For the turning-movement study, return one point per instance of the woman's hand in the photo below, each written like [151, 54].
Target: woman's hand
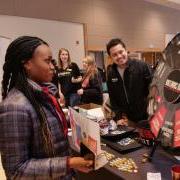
[80, 164]
[80, 92]
[61, 99]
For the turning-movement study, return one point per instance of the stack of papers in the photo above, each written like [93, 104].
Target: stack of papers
[97, 113]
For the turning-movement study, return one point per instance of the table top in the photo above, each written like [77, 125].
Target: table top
[161, 163]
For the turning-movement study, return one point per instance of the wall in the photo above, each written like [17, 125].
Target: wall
[141, 24]
[57, 34]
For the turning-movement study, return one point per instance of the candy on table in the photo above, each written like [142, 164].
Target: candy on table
[109, 156]
[124, 164]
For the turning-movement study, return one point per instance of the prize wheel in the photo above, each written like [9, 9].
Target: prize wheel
[165, 96]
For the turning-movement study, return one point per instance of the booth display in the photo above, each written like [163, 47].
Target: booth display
[165, 120]
[164, 109]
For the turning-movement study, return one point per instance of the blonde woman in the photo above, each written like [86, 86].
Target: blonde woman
[69, 78]
[91, 86]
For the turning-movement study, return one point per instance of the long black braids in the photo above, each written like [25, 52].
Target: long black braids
[18, 52]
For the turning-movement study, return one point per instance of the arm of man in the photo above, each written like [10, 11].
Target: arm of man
[113, 96]
[120, 113]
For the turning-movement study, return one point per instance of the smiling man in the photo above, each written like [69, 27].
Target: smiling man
[128, 81]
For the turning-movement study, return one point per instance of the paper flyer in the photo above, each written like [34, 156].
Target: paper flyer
[87, 132]
[76, 129]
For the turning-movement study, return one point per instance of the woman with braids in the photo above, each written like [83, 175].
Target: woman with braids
[91, 88]
[33, 136]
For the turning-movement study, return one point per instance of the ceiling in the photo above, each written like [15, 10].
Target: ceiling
[168, 3]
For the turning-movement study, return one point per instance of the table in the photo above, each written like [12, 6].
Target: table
[162, 162]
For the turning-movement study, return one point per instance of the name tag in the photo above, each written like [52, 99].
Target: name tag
[64, 73]
[114, 80]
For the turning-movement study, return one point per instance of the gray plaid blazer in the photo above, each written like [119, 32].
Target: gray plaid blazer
[21, 142]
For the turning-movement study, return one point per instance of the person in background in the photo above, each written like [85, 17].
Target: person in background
[55, 81]
[69, 78]
[128, 81]
[91, 87]
[33, 137]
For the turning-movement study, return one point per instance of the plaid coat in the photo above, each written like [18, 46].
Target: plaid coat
[21, 142]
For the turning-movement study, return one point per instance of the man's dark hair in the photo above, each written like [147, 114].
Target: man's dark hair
[19, 52]
[114, 42]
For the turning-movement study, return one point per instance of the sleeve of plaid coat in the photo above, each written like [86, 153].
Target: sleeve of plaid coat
[15, 137]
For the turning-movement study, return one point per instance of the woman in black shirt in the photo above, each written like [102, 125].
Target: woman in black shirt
[69, 77]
